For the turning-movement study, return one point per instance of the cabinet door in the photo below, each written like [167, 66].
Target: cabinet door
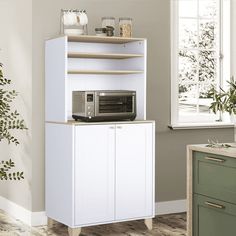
[94, 174]
[213, 217]
[134, 171]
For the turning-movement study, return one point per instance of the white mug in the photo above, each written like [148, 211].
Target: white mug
[69, 18]
[82, 18]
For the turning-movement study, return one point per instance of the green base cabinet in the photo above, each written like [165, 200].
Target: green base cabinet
[211, 191]
[213, 217]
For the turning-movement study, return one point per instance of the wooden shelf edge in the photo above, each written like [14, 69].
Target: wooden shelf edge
[105, 72]
[103, 55]
[97, 39]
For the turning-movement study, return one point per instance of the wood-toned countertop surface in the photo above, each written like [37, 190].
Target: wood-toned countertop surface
[72, 122]
[230, 152]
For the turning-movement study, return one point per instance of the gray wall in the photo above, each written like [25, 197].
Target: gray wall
[151, 20]
[16, 55]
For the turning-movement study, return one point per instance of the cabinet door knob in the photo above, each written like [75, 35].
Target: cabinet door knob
[211, 204]
[215, 159]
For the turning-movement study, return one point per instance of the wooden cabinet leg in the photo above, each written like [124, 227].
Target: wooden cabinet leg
[50, 223]
[148, 223]
[74, 231]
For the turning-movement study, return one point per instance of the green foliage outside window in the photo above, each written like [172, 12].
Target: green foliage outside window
[201, 66]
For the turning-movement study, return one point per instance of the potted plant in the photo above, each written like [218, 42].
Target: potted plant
[9, 121]
[224, 100]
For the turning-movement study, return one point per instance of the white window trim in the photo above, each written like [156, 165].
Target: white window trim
[174, 59]
[233, 38]
[215, 125]
[174, 78]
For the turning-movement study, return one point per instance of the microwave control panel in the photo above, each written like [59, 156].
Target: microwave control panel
[90, 105]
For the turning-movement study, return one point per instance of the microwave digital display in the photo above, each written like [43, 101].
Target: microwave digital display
[89, 97]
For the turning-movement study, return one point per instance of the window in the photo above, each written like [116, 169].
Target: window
[200, 58]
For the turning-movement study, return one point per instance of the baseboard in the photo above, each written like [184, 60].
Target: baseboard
[22, 214]
[171, 207]
[40, 218]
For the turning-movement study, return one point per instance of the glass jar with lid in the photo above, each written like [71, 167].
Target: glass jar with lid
[125, 24]
[108, 21]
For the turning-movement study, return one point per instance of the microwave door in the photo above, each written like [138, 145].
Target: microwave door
[114, 105]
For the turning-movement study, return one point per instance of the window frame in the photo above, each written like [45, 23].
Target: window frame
[175, 70]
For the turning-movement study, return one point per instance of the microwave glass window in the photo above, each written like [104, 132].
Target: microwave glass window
[89, 97]
[115, 104]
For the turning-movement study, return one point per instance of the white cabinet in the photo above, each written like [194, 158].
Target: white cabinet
[94, 173]
[134, 171]
[97, 173]
[109, 172]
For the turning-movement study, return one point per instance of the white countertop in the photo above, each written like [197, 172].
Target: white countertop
[230, 152]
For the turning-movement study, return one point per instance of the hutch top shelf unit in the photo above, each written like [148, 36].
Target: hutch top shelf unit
[92, 63]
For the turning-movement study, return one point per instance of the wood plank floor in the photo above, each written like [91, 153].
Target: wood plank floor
[168, 225]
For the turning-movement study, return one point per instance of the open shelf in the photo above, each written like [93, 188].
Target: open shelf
[102, 55]
[93, 63]
[98, 39]
[105, 72]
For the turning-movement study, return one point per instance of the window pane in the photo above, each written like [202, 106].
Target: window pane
[188, 98]
[207, 67]
[188, 8]
[204, 102]
[198, 58]
[188, 64]
[188, 33]
[208, 8]
[203, 90]
[207, 34]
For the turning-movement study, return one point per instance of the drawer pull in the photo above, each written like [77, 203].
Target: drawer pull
[215, 205]
[119, 127]
[215, 159]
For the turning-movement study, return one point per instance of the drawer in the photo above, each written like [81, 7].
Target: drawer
[213, 217]
[214, 176]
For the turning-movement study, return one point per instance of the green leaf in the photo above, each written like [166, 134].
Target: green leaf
[223, 101]
[9, 121]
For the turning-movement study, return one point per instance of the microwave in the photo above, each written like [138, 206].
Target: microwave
[111, 105]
